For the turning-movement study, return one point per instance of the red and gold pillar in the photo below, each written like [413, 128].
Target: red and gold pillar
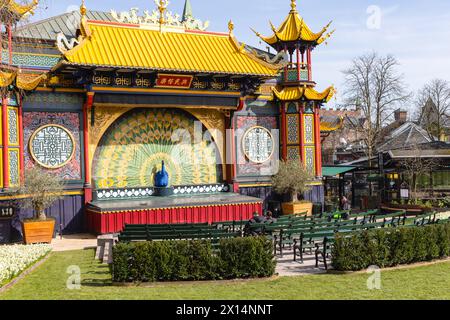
[21, 142]
[302, 134]
[87, 165]
[283, 131]
[318, 144]
[5, 162]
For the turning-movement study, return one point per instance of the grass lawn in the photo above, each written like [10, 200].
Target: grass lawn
[49, 282]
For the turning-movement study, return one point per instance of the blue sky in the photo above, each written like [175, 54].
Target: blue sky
[416, 32]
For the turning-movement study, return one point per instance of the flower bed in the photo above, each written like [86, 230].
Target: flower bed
[16, 258]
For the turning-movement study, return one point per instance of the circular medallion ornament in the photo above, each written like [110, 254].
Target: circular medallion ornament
[258, 144]
[52, 146]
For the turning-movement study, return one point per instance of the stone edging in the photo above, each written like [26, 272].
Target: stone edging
[25, 273]
[400, 267]
[164, 283]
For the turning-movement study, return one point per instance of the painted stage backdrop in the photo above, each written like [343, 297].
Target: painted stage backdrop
[49, 150]
[131, 150]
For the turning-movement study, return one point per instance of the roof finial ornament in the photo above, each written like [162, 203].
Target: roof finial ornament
[231, 26]
[294, 5]
[83, 9]
[162, 6]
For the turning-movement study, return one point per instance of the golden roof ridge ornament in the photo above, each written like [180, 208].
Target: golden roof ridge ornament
[159, 17]
[231, 27]
[83, 9]
[294, 5]
[66, 46]
[162, 7]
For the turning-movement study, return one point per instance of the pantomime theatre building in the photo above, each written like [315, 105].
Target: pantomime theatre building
[101, 99]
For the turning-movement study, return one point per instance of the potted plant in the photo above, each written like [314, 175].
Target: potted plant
[293, 178]
[40, 191]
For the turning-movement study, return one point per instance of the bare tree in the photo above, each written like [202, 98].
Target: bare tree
[374, 84]
[433, 101]
[415, 166]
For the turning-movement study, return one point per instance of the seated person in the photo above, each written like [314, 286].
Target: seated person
[255, 220]
[270, 218]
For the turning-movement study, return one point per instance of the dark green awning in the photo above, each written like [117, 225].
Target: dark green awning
[335, 171]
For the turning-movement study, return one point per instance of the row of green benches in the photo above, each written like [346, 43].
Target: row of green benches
[270, 228]
[132, 232]
[322, 240]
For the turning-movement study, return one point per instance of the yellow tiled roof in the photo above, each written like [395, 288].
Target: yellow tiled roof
[130, 46]
[16, 8]
[296, 93]
[294, 28]
[23, 81]
[327, 127]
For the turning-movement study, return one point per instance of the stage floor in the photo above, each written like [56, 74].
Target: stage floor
[176, 201]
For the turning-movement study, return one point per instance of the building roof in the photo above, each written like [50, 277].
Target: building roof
[408, 134]
[135, 47]
[297, 93]
[330, 124]
[294, 28]
[435, 149]
[66, 23]
[23, 81]
[333, 171]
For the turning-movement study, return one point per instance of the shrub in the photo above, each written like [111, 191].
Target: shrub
[248, 257]
[192, 260]
[391, 247]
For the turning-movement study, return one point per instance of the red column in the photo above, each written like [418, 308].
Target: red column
[5, 143]
[87, 165]
[21, 143]
[298, 65]
[318, 146]
[283, 132]
[308, 56]
[1, 43]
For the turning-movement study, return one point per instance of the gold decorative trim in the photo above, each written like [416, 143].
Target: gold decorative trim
[24, 196]
[169, 208]
[33, 136]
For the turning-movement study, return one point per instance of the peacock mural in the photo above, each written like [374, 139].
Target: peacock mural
[132, 149]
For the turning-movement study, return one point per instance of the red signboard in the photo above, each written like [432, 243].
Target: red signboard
[174, 81]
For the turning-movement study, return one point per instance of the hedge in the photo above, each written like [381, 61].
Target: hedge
[192, 260]
[391, 247]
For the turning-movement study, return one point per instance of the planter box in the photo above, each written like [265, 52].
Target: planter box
[297, 208]
[38, 231]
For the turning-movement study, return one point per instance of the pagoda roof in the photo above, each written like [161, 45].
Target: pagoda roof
[294, 29]
[131, 46]
[22, 81]
[16, 10]
[308, 93]
[330, 124]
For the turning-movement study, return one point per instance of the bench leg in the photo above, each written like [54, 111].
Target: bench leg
[275, 245]
[281, 248]
[317, 259]
[295, 253]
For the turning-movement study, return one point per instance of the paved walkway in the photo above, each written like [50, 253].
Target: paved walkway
[74, 242]
[287, 267]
